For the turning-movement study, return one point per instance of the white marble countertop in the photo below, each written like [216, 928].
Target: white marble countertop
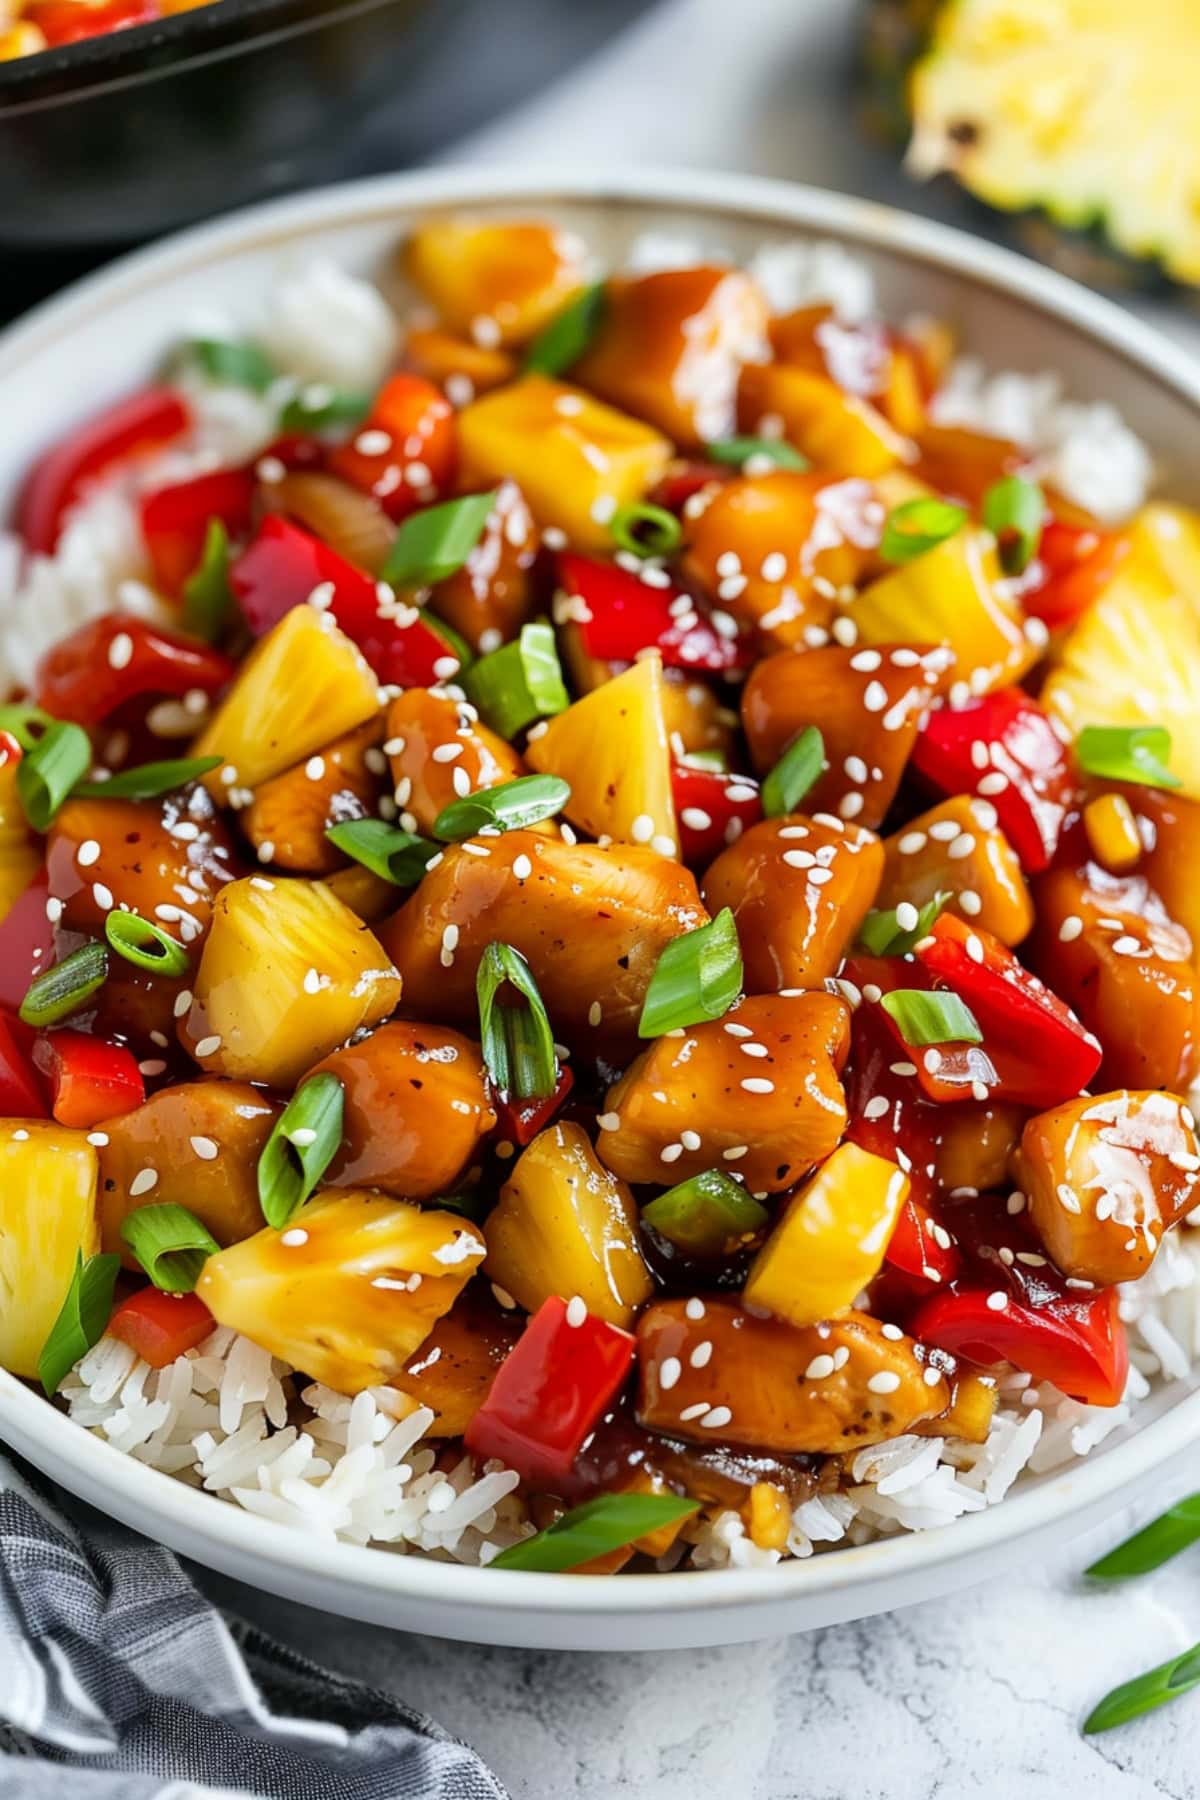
[975, 1698]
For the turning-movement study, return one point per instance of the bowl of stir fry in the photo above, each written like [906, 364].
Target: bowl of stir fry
[597, 952]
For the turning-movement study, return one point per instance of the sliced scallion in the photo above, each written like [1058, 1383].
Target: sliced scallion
[710, 1214]
[149, 780]
[738, 451]
[318, 408]
[697, 977]
[240, 364]
[644, 529]
[304, 1142]
[564, 340]
[794, 774]
[170, 1243]
[883, 935]
[520, 682]
[1156, 1543]
[1135, 753]
[599, 1526]
[145, 944]
[1145, 1693]
[62, 990]
[1014, 511]
[398, 856]
[435, 543]
[917, 526]
[517, 1041]
[27, 723]
[936, 1017]
[513, 806]
[208, 599]
[47, 773]
[82, 1319]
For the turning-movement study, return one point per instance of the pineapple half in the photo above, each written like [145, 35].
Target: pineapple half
[1080, 112]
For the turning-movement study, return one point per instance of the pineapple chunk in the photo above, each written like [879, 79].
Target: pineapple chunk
[1112, 833]
[47, 1218]
[573, 458]
[353, 1298]
[1171, 535]
[564, 1226]
[364, 892]
[287, 974]
[442, 357]
[20, 856]
[986, 885]
[952, 594]
[512, 277]
[612, 748]
[421, 723]
[287, 819]
[830, 1238]
[969, 1414]
[1134, 659]
[836, 431]
[303, 685]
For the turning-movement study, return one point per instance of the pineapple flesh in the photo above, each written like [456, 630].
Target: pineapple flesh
[48, 1178]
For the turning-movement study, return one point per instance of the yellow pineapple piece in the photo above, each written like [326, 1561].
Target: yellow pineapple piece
[983, 876]
[498, 282]
[288, 972]
[47, 1217]
[1170, 535]
[612, 747]
[830, 1238]
[953, 594]
[1134, 659]
[837, 431]
[303, 685]
[22, 38]
[364, 892]
[20, 853]
[1112, 833]
[565, 1225]
[573, 458]
[351, 1288]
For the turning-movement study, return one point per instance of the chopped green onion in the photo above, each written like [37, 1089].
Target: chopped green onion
[454, 641]
[917, 526]
[240, 364]
[697, 977]
[1154, 1545]
[716, 760]
[606, 1523]
[740, 450]
[47, 773]
[646, 530]
[931, 1017]
[305, 1140]
[1145, 1693]
[148, 780]
[794, 773]
[1014, 511]
[520, 682]
[319, 408]
[62, 990]
[709, 1215]
[397, 855]
[567, 336]
[1127, 753]
[434, 543]
[512, 806]
[27, 723]
[170, 1243]
[517, 1042]
[883, 935]
[208, 599]
[145, 944]
[82, 1318]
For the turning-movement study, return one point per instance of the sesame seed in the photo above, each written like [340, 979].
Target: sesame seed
[444, 753]
[819, 1368]
[997, 1301]
[87, 853]
[98, 1138]
[752, 1049]
[932, 1060]
[695, 818]
[841, 1357]
[907, 915]
[715, 1417]
[205, 1148]
[1126, 945]
[799, 859]
[208, 1046]
[865, 662]
[669, 1371]
[694, 1411]
[314, 768]
[120, 651]
[460, 780]
[671, 1153]
[818, 877]
[886, 1381]
[103, 896]
[143, 1181]
[663, 845]
[962, 846]
[876, 1107]
[694, 1308]
[153, 1065]
[54, 910]
[893, 1332]
[642, 829]
[701, 1356]
[911, 842]
[974, 948]
[577, 1311]
[874, 696]
[979, 1090]
[735, 1152]
[970, 902]
[758, 1084]
[609, 1121]
[932, 1376]
[903, 1068]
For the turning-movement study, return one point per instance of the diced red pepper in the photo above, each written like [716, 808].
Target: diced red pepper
[417, 462]
[20, 1095]
[519, 1121]
[550, 1391]
[283, 567]
[158, 1326]
[1004, 748]
[684, 480]
[89, 1079]
[626, 615]
[68, 22]
[295, 450]
[26, 941]
[920, 1246]
[88, 675]
[140, 423]
[1077, 563]
[713, 809]
[175, 520]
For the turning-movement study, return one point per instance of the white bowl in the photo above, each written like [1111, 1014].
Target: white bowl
[105, 335]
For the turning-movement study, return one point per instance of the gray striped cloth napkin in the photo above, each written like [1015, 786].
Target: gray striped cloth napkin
[119, 1681]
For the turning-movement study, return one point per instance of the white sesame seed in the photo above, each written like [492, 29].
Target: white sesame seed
[577, 1311]
[609, 1121]
[974, 948]
[911, 842]
[120, 651]
[701, 1356]
[874, 696]
[997, 1301]
[1125, 945]
[907, 916]
[886, 1381]
[753, 1049]
[153, 1065]
[962, 846]
[460, 780]
[669, 1371]
[715, 1417]
[143, 1181]
[662, 845]
[932, 1060]
[820, 1368]
[876, 1107]
[932, 1376]
[314, 768]
[758, 1084]
[208, 1046]
[103, 896]
[87, 853]
[642, 829]
[841, 1357]
[205, 1148]
[798, 859]
[671, 1153]
[695, 818]
[445, 753]
[893, 1332]
[735, 1152]
[1070, 928]
[979, 1090]
[694, 1411]
[970, 902]
[694, 1308]
[774, 566]
[98, 1138]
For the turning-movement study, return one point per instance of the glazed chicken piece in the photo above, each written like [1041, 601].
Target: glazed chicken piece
[868, 706]
[438, 752]
[416, 1109]
[799, 889]
[452, 1370]
[1105, 1177]
[290, 814]
[756, 1093]
[590, 922]
[825, 1388]
[446, 358]
[492, 595]
[670, 348]
[957, 848]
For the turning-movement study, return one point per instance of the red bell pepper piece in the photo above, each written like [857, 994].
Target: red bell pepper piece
[67, 22]
[550, 1391]
[88, 675]
[519, 1121]
[26, 941]
[295, 450]
[175, 519]
[684, 480]
[417, 462]
[89, 1079]
[713, 809]
[1040, 1052]
[1077, 563]
[920, 1246]
[158, 1327]
[625, 614]
[142, 422]
[1004, 748]
[285, 564]
[20, 1095]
